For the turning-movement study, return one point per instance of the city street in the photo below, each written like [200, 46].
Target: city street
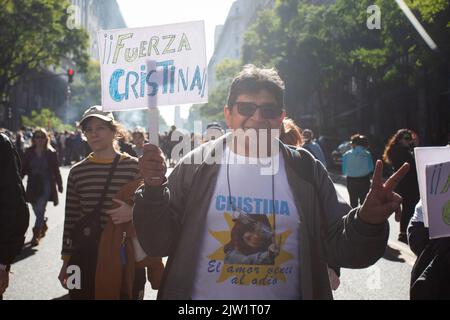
[361, 85]
[35, 272]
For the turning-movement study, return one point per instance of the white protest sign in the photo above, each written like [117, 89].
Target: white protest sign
[153, 66]
[438, 199]
[427, 156]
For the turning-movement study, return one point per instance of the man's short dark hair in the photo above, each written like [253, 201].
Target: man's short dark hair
[252, 80]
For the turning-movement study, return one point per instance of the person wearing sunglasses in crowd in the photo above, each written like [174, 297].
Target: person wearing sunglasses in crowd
[398, 150]
[189, 215]
[40, 164]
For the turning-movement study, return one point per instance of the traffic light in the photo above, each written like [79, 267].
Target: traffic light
[70, 74]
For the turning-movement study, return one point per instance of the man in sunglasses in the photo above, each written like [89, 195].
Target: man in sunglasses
[189, 216]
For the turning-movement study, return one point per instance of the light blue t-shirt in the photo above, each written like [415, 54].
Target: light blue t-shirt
[357, 162]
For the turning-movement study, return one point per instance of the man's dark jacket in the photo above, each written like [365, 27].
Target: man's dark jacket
[170, 221]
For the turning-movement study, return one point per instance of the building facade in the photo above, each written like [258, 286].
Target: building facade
[229, 38]
[97, 15]
[49, 89]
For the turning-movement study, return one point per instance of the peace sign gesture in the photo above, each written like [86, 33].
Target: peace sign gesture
[382, 201]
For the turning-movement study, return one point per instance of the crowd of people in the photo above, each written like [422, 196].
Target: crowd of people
[123, 214]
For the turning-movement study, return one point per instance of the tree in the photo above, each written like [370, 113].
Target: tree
[320, 50]
[45, 118]
[217, 98]
[34, 37]
[86, 91]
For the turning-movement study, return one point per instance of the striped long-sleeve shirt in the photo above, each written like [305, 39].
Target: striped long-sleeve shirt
[84, 187]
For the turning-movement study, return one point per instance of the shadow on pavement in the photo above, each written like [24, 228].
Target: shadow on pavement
[392, 254]
[27, 251]
[64, 297]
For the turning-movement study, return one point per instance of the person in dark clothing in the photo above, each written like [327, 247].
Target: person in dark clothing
[127, 147]
[20, 145]
[430, 278]
[398, 151]
[313, 147]
[14, 215]
[41, 166]
[68, 150]
[170, 144]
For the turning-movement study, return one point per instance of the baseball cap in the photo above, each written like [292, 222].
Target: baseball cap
[96, 111]
[214, 125]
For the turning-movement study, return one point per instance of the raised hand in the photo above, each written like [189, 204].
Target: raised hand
[382, 201]
[152, 165]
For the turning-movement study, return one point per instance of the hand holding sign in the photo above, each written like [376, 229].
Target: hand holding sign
[152, 166]
[382, 201]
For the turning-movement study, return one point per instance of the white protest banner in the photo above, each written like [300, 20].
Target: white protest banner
[153, 66]
[427, 156]
[438, 199]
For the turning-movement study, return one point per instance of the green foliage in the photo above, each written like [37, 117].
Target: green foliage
[319, 48]
[428, 9]
[227, 69]
[45, 118]
[86, 91]
[217, 98]
[34, 37]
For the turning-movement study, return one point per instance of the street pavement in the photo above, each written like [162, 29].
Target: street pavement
[388, 279]
[35, 271]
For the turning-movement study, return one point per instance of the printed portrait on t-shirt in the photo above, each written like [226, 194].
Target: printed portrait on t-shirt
[250, 244]
[252, 241]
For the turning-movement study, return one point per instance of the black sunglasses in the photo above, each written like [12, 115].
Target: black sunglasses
[407, 137]
[39, 137]
[268, 110]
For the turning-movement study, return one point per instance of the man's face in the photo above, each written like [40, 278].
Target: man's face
[236, 120]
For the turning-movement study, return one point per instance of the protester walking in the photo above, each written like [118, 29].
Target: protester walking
[98, 234]
[398, 150]
[41, 166]
[313, 147]
[357, 166]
